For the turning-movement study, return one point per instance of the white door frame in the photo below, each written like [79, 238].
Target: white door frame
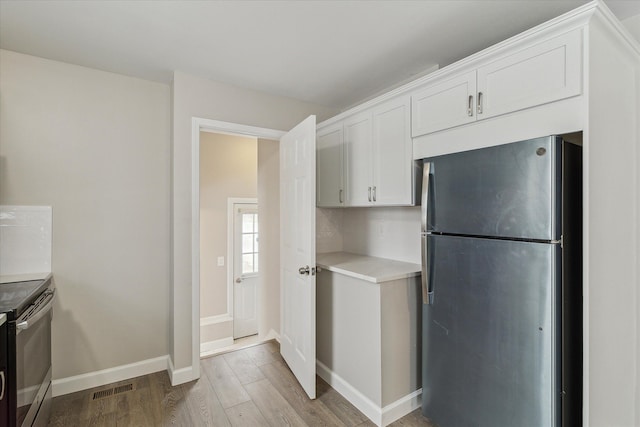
[215, 126]
[231, 202]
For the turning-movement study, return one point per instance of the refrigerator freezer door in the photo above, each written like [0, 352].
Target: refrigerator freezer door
[507, 191]
[491, 335]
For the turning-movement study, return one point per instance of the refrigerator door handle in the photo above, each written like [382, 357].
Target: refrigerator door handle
[426, 174]
[427, 293]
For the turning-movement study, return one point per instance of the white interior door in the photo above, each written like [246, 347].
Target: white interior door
[298, 252]
[245, 270]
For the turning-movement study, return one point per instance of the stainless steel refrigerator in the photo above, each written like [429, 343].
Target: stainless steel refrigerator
[502, 286]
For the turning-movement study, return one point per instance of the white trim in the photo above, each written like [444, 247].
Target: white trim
[209, 347]
[182, 375]
[195, 252]
[206, 125]
[401, 407]
[379, 416]
[215, 126]
[355, 397]
[272, 335]
[107, 376]
[213, 320]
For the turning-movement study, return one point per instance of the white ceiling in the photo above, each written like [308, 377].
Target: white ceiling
[332, 53]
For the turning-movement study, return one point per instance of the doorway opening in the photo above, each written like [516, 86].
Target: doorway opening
[236, 164]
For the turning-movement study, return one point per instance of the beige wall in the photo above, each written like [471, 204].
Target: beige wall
[95, 146]
[201, 98]
[228, 168]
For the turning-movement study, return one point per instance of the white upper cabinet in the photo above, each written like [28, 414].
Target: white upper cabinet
[392, 153]
[442, 105]
[545, 72]
[366, 159]
[330, 167]
[357, 140]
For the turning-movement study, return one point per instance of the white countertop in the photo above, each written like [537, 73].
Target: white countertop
[3, 318]
[371, 269]
[10, 278]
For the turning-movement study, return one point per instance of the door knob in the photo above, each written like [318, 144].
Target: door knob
[304, 270]
[238, 280]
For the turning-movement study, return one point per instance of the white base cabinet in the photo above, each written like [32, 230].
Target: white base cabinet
[369, 333]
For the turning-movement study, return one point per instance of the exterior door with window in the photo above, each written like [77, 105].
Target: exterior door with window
[246, 270]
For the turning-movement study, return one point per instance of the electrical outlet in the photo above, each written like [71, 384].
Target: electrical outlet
[220, 261]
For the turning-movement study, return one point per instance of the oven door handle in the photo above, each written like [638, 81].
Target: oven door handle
[3, 385]
[31, 320]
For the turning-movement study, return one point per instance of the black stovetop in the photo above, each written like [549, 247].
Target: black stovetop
[15, 297]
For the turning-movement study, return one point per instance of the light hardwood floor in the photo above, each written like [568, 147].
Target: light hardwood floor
[248, 387]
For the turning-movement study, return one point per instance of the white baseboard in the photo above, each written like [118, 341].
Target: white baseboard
[179, 376]
[213, 320]
[401, 407]
[208, 348]
[380, 416]
[272, 335]
[107, 376]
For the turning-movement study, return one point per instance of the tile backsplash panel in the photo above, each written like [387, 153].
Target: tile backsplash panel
[25, 239]
[384, 232]
[329, 230]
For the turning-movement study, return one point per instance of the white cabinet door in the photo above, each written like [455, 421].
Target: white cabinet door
[542, 73]
[357, 140]
[546, 72]
[444, 105]
[298, 252]
[330, 167]
[392, 153]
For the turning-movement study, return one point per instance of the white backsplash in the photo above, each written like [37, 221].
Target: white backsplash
[329, 230]
[25, 239]
[392, 233]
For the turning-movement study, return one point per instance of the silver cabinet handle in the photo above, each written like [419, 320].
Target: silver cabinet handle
[470, 106]
[369, 193]
[374, 193]
[479, 102]
[304, 270]
[340, 196]
[2, 388]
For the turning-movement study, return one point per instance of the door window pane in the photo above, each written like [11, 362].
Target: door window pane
[249, 242]
[247, 264]
[247, 222]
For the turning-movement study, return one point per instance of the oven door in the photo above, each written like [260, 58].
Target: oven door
[33, 362]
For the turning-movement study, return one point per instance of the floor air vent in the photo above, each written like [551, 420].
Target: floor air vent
[102, 394]
[123, 388]
[112, 391]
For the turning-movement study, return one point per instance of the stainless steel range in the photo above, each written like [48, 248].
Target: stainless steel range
[27, 379]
